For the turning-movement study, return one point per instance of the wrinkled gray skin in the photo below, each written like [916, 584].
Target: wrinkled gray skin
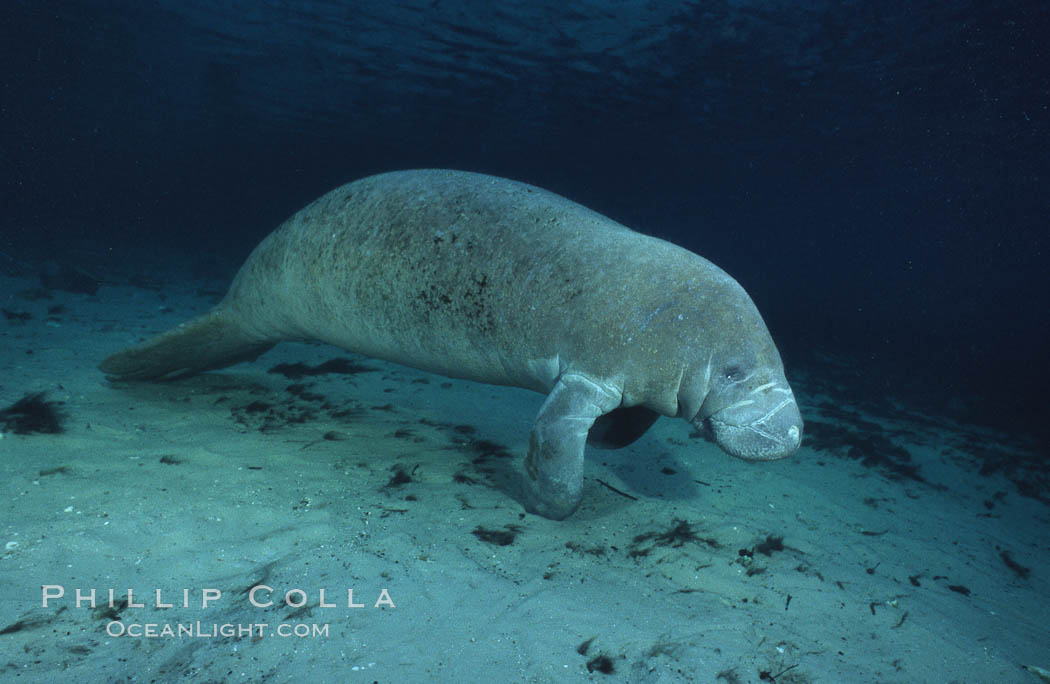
[491, 280]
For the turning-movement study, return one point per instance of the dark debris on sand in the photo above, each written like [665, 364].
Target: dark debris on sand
[340, 366]
[33, 414]
[862, 441]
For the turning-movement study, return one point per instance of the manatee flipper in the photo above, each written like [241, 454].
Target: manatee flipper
[214, 340]
[554, 465]
[621, 427]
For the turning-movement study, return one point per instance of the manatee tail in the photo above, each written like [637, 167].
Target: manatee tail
[214, 340]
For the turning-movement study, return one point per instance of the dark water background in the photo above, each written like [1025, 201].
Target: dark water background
[876, 174]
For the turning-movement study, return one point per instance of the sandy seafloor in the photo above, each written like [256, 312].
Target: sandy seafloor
[393, 479]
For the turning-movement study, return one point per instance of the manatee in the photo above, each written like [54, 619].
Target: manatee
[496, 281]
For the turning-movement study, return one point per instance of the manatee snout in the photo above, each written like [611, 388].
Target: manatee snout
[755, 431]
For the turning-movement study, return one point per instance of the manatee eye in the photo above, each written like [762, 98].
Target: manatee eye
[732, 373]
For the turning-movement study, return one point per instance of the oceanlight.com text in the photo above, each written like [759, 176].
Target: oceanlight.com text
[205, 630]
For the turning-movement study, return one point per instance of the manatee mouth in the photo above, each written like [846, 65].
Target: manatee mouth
[776, 434]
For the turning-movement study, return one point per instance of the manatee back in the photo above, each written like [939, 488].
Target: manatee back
[469, 276]
[466, 275]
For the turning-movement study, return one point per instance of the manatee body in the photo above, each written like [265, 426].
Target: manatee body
[487, 279]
